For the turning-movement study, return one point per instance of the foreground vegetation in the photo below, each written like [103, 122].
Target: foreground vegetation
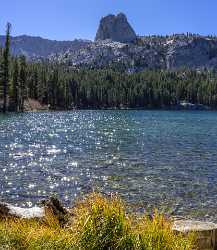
[95, 223]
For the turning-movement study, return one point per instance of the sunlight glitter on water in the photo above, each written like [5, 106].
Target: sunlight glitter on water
[152, 158]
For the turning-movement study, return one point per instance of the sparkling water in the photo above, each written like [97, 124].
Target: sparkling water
[153, 159]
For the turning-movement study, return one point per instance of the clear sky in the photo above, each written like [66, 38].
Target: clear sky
[69, 19]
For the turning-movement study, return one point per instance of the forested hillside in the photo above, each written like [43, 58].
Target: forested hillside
[63, 87]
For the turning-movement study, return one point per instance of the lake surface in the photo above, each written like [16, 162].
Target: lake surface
[152, 159]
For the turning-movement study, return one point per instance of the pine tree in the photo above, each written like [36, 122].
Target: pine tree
[23, 83]
[6, 62]
[42, 86]
[15, 87]
[1, 78]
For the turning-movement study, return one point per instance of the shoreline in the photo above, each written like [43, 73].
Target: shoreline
[110, 109]
[59, 218]
[32, 105]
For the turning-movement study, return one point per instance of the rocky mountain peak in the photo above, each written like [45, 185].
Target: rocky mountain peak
[121, 16]
[116, 28]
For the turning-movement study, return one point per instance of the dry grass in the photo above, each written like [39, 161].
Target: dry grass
[97, 223]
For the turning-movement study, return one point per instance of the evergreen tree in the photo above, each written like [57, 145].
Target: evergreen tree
[23, 83]
[5, 69]
[1, 78]
[15, 95]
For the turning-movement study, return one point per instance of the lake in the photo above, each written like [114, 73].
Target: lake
[161, 159]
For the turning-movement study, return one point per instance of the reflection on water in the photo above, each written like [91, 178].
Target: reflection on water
[152, 158]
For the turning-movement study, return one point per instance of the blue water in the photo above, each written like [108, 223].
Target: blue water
[152, 159]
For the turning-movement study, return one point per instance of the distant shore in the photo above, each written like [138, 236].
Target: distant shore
[32, 105]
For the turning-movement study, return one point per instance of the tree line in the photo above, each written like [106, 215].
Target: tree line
[63, 87]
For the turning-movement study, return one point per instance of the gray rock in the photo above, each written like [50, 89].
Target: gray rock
[206, 232]
[115, 28]
[172, 52]
[51, 206]
[194, 52]
[107, 53]
[10, 211]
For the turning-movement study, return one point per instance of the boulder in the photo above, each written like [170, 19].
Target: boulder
[206, 232]
[10, 211]
[50, 206]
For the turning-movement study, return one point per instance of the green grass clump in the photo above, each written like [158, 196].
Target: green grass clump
[20, 234]
[157, 234]
[96, 223]
[101, 223]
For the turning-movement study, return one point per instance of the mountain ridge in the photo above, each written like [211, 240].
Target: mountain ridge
[116, 45]
[37, 46]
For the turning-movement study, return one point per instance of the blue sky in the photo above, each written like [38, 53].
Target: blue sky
[69, 19]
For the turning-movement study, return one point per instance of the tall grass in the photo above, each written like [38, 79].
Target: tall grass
[101, 223]
[96, 223]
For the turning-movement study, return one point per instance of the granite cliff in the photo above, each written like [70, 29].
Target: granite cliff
[154, 52]
[115, 28]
